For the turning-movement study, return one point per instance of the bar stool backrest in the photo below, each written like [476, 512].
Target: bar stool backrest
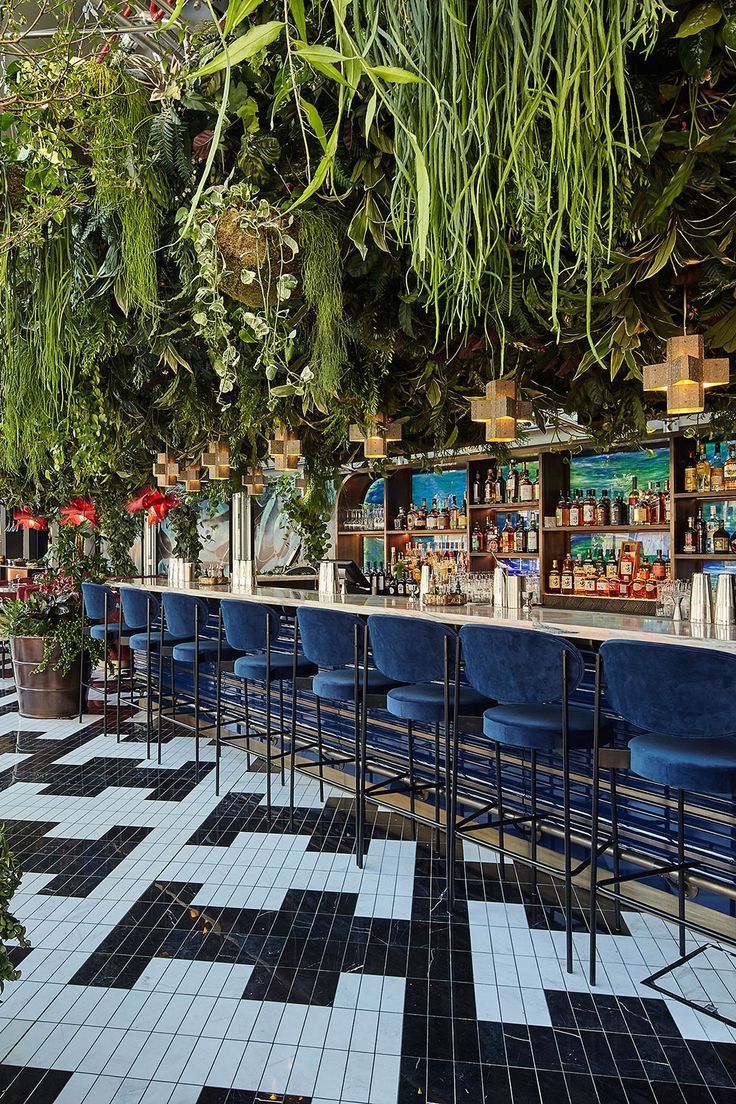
[94, 600]
[179, 610]
[328, 636]
[672, 689]
[410, 649]
[135, 605]
[244, 623]
[518, 666]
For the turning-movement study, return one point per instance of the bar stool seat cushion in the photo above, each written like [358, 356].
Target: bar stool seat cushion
[139, 641]
[114, 630]
[184, 653]
[425, 701]
[706, 764]
[339, 685]
[539, 727]
[282, 666]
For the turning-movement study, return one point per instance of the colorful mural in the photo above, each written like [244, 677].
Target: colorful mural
[614, 471]
[214, 535]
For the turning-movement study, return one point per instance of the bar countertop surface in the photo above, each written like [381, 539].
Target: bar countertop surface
[575, 624]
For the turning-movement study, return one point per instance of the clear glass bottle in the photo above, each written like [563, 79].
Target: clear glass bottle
[519, 535]
[717, 476]
[488, 488]
[532, 536]
[512, 483]
[729, 469]
[703, 471]
[526, 487]
[690, 474]
[575, 510]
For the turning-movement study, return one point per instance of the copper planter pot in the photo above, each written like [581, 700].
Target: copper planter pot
[51, 694]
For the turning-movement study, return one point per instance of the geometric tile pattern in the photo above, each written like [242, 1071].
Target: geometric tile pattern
[187, 951]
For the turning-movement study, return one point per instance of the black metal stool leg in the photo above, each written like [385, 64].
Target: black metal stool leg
[247, 723]
[681, 873]
[499, 805]
[104, 666]
[320, 766]
[615, 850]
[449, 824]
[268, 717]
[218, 703]
[437, 784]
[358, 734]
[594, 825]
[281, 732]
[533, 824]
[455, 723]
[292, 747]
[119, 686]
[81, 662]
[159, 717]
[363, 739]
[566, 817]
[410, 749]
[149, 703]
[196, 692]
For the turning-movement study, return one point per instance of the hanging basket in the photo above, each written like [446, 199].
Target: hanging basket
[254, 248]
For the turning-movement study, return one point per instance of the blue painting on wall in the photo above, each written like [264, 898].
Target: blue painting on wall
[429, 485]
[614, 471]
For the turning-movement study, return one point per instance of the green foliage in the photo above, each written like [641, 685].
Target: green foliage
[322, 247]
[10, 928]
[308, 512]
[54, 613]
[184, 525]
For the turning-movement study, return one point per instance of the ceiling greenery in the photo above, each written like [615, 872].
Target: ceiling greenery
[305, 213]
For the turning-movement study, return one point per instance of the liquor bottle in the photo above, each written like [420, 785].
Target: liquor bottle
[641, 510]
[667, 498]
[618, 511]
[600, 563]
[488, 488]
[532, 536]
[499, 486]
[637, 584]
[535, 488]
[578, 575]
[400, 519]
[493, 541]
[526, 487]
[444, 516]
[721, 540]
[507, 536]
[690, 475]
[626, 572]
[659, 567]
[566, 577]
[575, 510]
[392, 584]
[732, 544]
[602, 584]
[650, 587]
[462, 517]
[611, 564]
[633, 499]
[589, 566]
[688, 544]
[729, 469]
[373, 579]
[421, 518]
[614, 586]
[411, 517]
[589, 508]
[603, 509]
[454, 512]
[520, 535]
[702, 469]
[475, 539]
[433, 517]
[701, 533]
[654, 501]
[380, 579]
[512, 483]
[713, 523]
[477, 490]
[562, 513]
[553, 579]
[717, 477]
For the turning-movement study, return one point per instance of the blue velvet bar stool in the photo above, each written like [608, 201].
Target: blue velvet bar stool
[100, 603]
[186, 616]
[141, 610]
[334, 640]
[252, 628]
[682, 698]
[531, 675]
[422, 656]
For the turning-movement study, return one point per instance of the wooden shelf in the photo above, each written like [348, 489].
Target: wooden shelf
[705, 496]
[715, 557]
[606, 528]
[427, 532]
[509, 555]
[360, 533]
[505, 505]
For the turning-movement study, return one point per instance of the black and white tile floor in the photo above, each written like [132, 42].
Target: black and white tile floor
[186, 952]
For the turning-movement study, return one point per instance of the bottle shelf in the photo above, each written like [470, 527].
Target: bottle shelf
[714, 557]
[596, 597]
[705, 496]
[427, 532]
[360, 533]
[509, 555]
[505, 506]
[606, 528]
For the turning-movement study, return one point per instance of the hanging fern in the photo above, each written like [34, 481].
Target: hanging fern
[322, 282]
[169, 147]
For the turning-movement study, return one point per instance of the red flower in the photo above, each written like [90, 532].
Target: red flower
[158, 506]
[80, 511]
[139, 502]
[24, 518]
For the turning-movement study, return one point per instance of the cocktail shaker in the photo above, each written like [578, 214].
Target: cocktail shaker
[329, 579]
[724, 606]
[701, 605]
[514, 592]
[499, 588]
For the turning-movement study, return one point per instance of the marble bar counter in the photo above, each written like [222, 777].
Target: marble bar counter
[574, 624]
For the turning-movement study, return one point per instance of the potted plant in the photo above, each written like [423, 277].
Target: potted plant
[47, 646]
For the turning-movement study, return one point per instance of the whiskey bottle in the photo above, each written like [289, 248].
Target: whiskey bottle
[611, 565]
[603, 510]
[400, 519]
[520, 535]
[553, 579]
[566, 576]
[512, 483]
[729, 469]
[667, 499]
[420, 521]
[717, 477]
[589, 508]
[488, 488]
[475, 539]
[702, 469]
[433, 516]
[562, 513]
[535, 488]
[532, 536]
[641, 510]
[690, 475]
[713, 522]
[462, 517]
[659, 567]
[721, 540]
[575, 510]
[618, 511]
[454, 512]
[498, 491]
[493, 542]
[578, 575]
[507, 536]
[701, 533]
[688, 544]
[477, 490]
[633, 499]
[444, 517]
[526, 487]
